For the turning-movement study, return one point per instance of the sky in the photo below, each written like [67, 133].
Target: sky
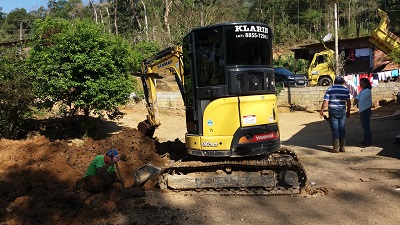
[29, 5]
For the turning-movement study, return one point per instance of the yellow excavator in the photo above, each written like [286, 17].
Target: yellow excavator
[226, 78]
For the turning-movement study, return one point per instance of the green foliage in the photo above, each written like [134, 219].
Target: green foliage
[290, 63]
[161, 22]
[15, 91]
[141, 51]
[278, 89]
[80, 68]
[312, 20]
[284, 32]
[340, 65]
[395, 55]
[67, 9]
[15, 20]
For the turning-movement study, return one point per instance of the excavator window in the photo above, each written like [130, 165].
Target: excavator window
[191, 120]
[251, 49]
[210, 57]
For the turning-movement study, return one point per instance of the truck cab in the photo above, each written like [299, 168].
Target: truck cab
[321, 70]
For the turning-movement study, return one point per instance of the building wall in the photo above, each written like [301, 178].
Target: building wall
[311, 98]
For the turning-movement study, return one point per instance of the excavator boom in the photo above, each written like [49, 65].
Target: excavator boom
[168, 61]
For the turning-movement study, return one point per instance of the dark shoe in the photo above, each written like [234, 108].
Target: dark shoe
[363, 145]
[336, 145]
[342, 145]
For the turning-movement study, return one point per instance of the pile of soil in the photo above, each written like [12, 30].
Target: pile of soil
[38, 174]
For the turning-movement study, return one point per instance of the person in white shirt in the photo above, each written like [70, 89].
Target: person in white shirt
[364, 101]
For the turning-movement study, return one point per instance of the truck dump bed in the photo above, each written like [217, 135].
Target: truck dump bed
[381, 37]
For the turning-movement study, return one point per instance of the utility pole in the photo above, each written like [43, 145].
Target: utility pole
[20, 31]
[298, 17]
[20, 36]
[336, 39]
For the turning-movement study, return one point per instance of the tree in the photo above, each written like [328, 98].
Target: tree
[17, 19]
[141, 51]
[395, 55]
[2, 16]
[15, 91]
[79, 67]
[392, 7]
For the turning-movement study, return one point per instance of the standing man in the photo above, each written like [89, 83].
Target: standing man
[337, 99]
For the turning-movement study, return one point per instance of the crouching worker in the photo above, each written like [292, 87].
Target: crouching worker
[100, 175]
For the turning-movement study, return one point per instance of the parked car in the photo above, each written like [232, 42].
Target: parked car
[285, 78]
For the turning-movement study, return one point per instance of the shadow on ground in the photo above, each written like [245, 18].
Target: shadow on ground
[72, 128]
[384, 125]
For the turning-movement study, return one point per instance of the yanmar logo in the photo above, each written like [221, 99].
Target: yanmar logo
[209, 144]
[166, 63]
[264, 137]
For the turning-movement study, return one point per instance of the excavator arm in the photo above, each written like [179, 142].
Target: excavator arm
[166, 62]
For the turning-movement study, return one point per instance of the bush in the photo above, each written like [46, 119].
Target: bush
[15, 92]
[290, 63]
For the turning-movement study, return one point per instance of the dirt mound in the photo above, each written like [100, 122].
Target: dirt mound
[37, 177]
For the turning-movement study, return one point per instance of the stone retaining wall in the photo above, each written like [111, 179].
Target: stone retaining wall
[309, 98]
[170, 100]
[312, 97]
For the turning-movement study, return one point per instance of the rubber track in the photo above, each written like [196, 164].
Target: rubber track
[275, 163]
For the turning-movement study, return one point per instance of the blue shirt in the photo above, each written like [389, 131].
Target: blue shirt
[337, 96]
[364, 99]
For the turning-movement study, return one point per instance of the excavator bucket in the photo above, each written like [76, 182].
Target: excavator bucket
[146, 129]
[145, 173]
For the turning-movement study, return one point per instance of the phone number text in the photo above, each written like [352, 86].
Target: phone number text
[252, 35]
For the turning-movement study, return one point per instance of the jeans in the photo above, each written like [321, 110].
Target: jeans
[337, 120]
[365, 123]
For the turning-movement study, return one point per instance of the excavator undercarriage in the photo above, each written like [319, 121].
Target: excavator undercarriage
[278, 173]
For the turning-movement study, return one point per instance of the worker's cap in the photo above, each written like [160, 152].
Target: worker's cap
[112, 152]
[339, 80]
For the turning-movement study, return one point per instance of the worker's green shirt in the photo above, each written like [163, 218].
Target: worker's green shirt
[97, 162]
